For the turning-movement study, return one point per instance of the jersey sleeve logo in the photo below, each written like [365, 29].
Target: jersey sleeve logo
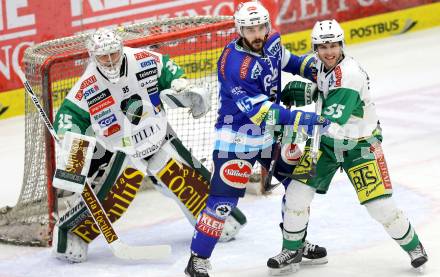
[244, 68]
[223, 62]
[338, 75]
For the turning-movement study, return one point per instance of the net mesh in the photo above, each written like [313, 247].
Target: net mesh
[52, 68]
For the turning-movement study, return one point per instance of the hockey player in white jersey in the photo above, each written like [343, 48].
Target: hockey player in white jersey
[352, 142]
[118, 100]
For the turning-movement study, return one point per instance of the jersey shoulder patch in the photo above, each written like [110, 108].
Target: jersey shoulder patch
[338, 76]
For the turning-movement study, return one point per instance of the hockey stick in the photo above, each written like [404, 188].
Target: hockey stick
[268, 187]
[316, 138]
[98, 214]
[315, 142]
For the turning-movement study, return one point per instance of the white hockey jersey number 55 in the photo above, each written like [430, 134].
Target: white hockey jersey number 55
[334, 110]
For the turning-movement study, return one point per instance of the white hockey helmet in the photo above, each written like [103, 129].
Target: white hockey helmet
[251, 14]
[327, 31]
[105, 42]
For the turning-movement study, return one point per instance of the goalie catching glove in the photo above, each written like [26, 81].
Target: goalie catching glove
[184, 95]
[299, 93]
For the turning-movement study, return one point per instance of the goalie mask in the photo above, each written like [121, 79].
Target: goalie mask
[251, 14]
[106, 49]
[327, 31]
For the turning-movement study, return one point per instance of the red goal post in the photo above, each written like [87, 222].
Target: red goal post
[52, 68]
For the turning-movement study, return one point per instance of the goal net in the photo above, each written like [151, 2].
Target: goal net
[52, 68]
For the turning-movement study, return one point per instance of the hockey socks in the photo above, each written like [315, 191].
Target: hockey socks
[293, 240]
[210, 224]
[409, 241]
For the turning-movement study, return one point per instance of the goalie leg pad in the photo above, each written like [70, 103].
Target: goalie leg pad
[179, 175]
[233, 224]
[230, 229]
[120, 184]
[68, 247]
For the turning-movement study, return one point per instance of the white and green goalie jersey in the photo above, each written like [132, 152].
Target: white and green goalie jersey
[126, 115]
[346, 101]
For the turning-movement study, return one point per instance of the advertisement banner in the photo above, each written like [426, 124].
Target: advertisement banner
[373, 27]
[28, 22]
[299, 15]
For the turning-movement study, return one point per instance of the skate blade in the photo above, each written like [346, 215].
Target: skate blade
[319, 261]
[421, 269]
[292, 268]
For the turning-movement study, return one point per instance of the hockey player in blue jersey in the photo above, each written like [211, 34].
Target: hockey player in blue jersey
[249, 74]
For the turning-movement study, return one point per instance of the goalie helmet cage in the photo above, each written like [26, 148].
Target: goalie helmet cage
[52, 68]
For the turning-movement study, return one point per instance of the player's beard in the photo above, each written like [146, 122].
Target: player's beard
[256, 45]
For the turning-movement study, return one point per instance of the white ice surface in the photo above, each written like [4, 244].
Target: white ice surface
[405, 82]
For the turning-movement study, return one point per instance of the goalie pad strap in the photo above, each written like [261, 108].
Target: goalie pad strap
[70, 218]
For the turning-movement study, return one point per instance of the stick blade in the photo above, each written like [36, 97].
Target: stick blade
[148, 252]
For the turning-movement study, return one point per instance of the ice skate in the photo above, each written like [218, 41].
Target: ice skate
[418, 257]
[285, 263]
[197, 266]
[313, 254]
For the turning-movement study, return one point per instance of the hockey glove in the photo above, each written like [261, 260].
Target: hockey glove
[200, 101]
[299, 93]
[304, 121]
[183, 94]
